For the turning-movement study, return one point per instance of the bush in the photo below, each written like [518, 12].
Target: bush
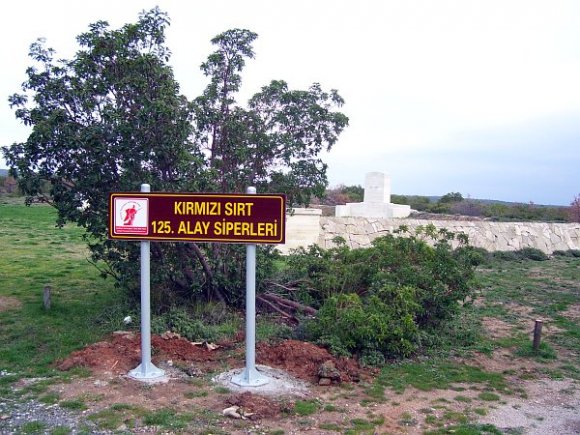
[506, 255]
[533, 254]
[378, 299]
[380, 323]
[476, 256]
[203, 323]
[521, 254]
[574, 253]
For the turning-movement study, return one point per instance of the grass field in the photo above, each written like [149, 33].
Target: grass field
[85, 308]
[35, 254]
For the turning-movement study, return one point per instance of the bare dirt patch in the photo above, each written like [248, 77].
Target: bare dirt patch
[122, 352]
[341, 405]
[497, 328]
[9, 303]
[304, 359]
[572, 312]
[523, 311]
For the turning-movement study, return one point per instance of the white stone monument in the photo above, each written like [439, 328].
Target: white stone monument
[376, 202]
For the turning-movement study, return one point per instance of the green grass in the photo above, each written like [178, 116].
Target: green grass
[75, 404]
[222, 390]
[50, 398]
[195, 394]
[467, 429]
[548, 287]
[33, 427]
[32, 337]
[464, 399]
[306, 407]
[436, 374]
[520, 292]
[330, 426]
[488, 396]
[480, 411]
[60, 430]
[544, 351]
[168, 419]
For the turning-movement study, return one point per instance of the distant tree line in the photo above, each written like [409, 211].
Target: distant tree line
[454, 203]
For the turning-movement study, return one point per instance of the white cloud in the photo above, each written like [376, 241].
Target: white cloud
[414, 73]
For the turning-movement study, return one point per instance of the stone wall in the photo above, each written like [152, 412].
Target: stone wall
[302, 228]
[307, 226]
[493, 236]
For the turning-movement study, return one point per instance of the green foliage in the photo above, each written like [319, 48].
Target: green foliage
[208, 324]
[532, 254]
[488, 396]
[573, 253]
[74, 404]
[167, 418]
[383, 323]
[376, 300]
[526, 212]
[521, 254]
[506, 255]
[436, 374]
[33, 427]
[475, 256]
[306, 407]
[454, 203]
[467, 429]
[544, 352]
[451, 197]
[112, 118]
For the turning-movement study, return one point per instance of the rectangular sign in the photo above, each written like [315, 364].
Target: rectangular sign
[198, 217]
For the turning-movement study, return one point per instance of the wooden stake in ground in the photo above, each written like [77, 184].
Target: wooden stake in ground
[46, 297]
[537, 335]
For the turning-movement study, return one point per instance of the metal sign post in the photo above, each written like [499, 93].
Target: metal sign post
[250, 377]
[146, 370]
[198, 217]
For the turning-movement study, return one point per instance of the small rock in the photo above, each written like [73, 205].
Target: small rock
[327, 370]
[168, 335]
[232, 411]
[324, 381]
[193, 371]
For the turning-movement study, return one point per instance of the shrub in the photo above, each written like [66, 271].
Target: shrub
[506, 255]
[532, 254]
[203, 323]
[440, 275]
[179, 321]
[476, 256]
[364, 326]
[574, 253]
[377, 299]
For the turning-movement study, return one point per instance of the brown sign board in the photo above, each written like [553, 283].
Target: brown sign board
[198, 217]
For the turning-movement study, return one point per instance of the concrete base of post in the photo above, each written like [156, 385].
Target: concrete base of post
[150, 373]
[250, 378]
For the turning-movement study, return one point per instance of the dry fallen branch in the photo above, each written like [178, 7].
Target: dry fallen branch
[279, 300]
[276, 308]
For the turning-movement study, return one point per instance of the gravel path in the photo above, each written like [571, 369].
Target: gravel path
[15, 416]
[553, 408]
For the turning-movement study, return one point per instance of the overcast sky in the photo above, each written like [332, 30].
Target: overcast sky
[478, 97]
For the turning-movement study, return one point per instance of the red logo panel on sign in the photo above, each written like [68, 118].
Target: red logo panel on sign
[131, 216]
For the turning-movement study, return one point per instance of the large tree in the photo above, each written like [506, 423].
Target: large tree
[112, 117]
